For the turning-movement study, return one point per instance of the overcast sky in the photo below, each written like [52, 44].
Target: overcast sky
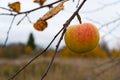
[99, 12]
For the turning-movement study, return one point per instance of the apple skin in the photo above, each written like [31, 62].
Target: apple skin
[82, 37]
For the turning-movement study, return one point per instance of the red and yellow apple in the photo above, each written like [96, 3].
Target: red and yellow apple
[82, 37]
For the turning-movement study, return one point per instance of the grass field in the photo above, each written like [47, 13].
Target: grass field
[62, 69]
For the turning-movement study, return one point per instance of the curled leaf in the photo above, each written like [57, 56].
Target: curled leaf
[40, 25]
[54, 10]
[41, 2]
[15, 6]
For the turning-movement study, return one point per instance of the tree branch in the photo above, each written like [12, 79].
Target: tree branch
[25, 12]
[29, 11]
[57, 46]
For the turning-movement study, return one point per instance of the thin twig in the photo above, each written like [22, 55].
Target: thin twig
[55, 53]
[26, 12]
[26, 15]
[102, 7]
[29, 11]
[21, 19]
[108, 68]
[9, 31]
[5, 9]
[78, 3]
[21, 69]
[28, 18]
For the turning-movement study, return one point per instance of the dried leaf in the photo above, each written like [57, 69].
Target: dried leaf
[40, 25]
[36, 1]
[15, 6]
[54, 10]
[41, 2]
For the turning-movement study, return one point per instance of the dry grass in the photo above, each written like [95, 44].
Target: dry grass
[62, 69]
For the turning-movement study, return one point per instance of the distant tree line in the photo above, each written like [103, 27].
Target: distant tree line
[18, 50]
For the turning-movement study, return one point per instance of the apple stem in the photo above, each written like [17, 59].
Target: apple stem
[79, 18]
[74, 14]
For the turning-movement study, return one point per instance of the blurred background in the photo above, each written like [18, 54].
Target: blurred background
[24, 42]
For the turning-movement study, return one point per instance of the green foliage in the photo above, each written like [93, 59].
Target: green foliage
[31, 42]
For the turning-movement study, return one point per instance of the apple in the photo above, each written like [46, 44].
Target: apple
[81, 38]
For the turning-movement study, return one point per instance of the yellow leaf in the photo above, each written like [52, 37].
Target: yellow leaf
[28, 49]
[36, 1]
[15, 6]
[54, 10]
[40, 24]
[41, 2]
